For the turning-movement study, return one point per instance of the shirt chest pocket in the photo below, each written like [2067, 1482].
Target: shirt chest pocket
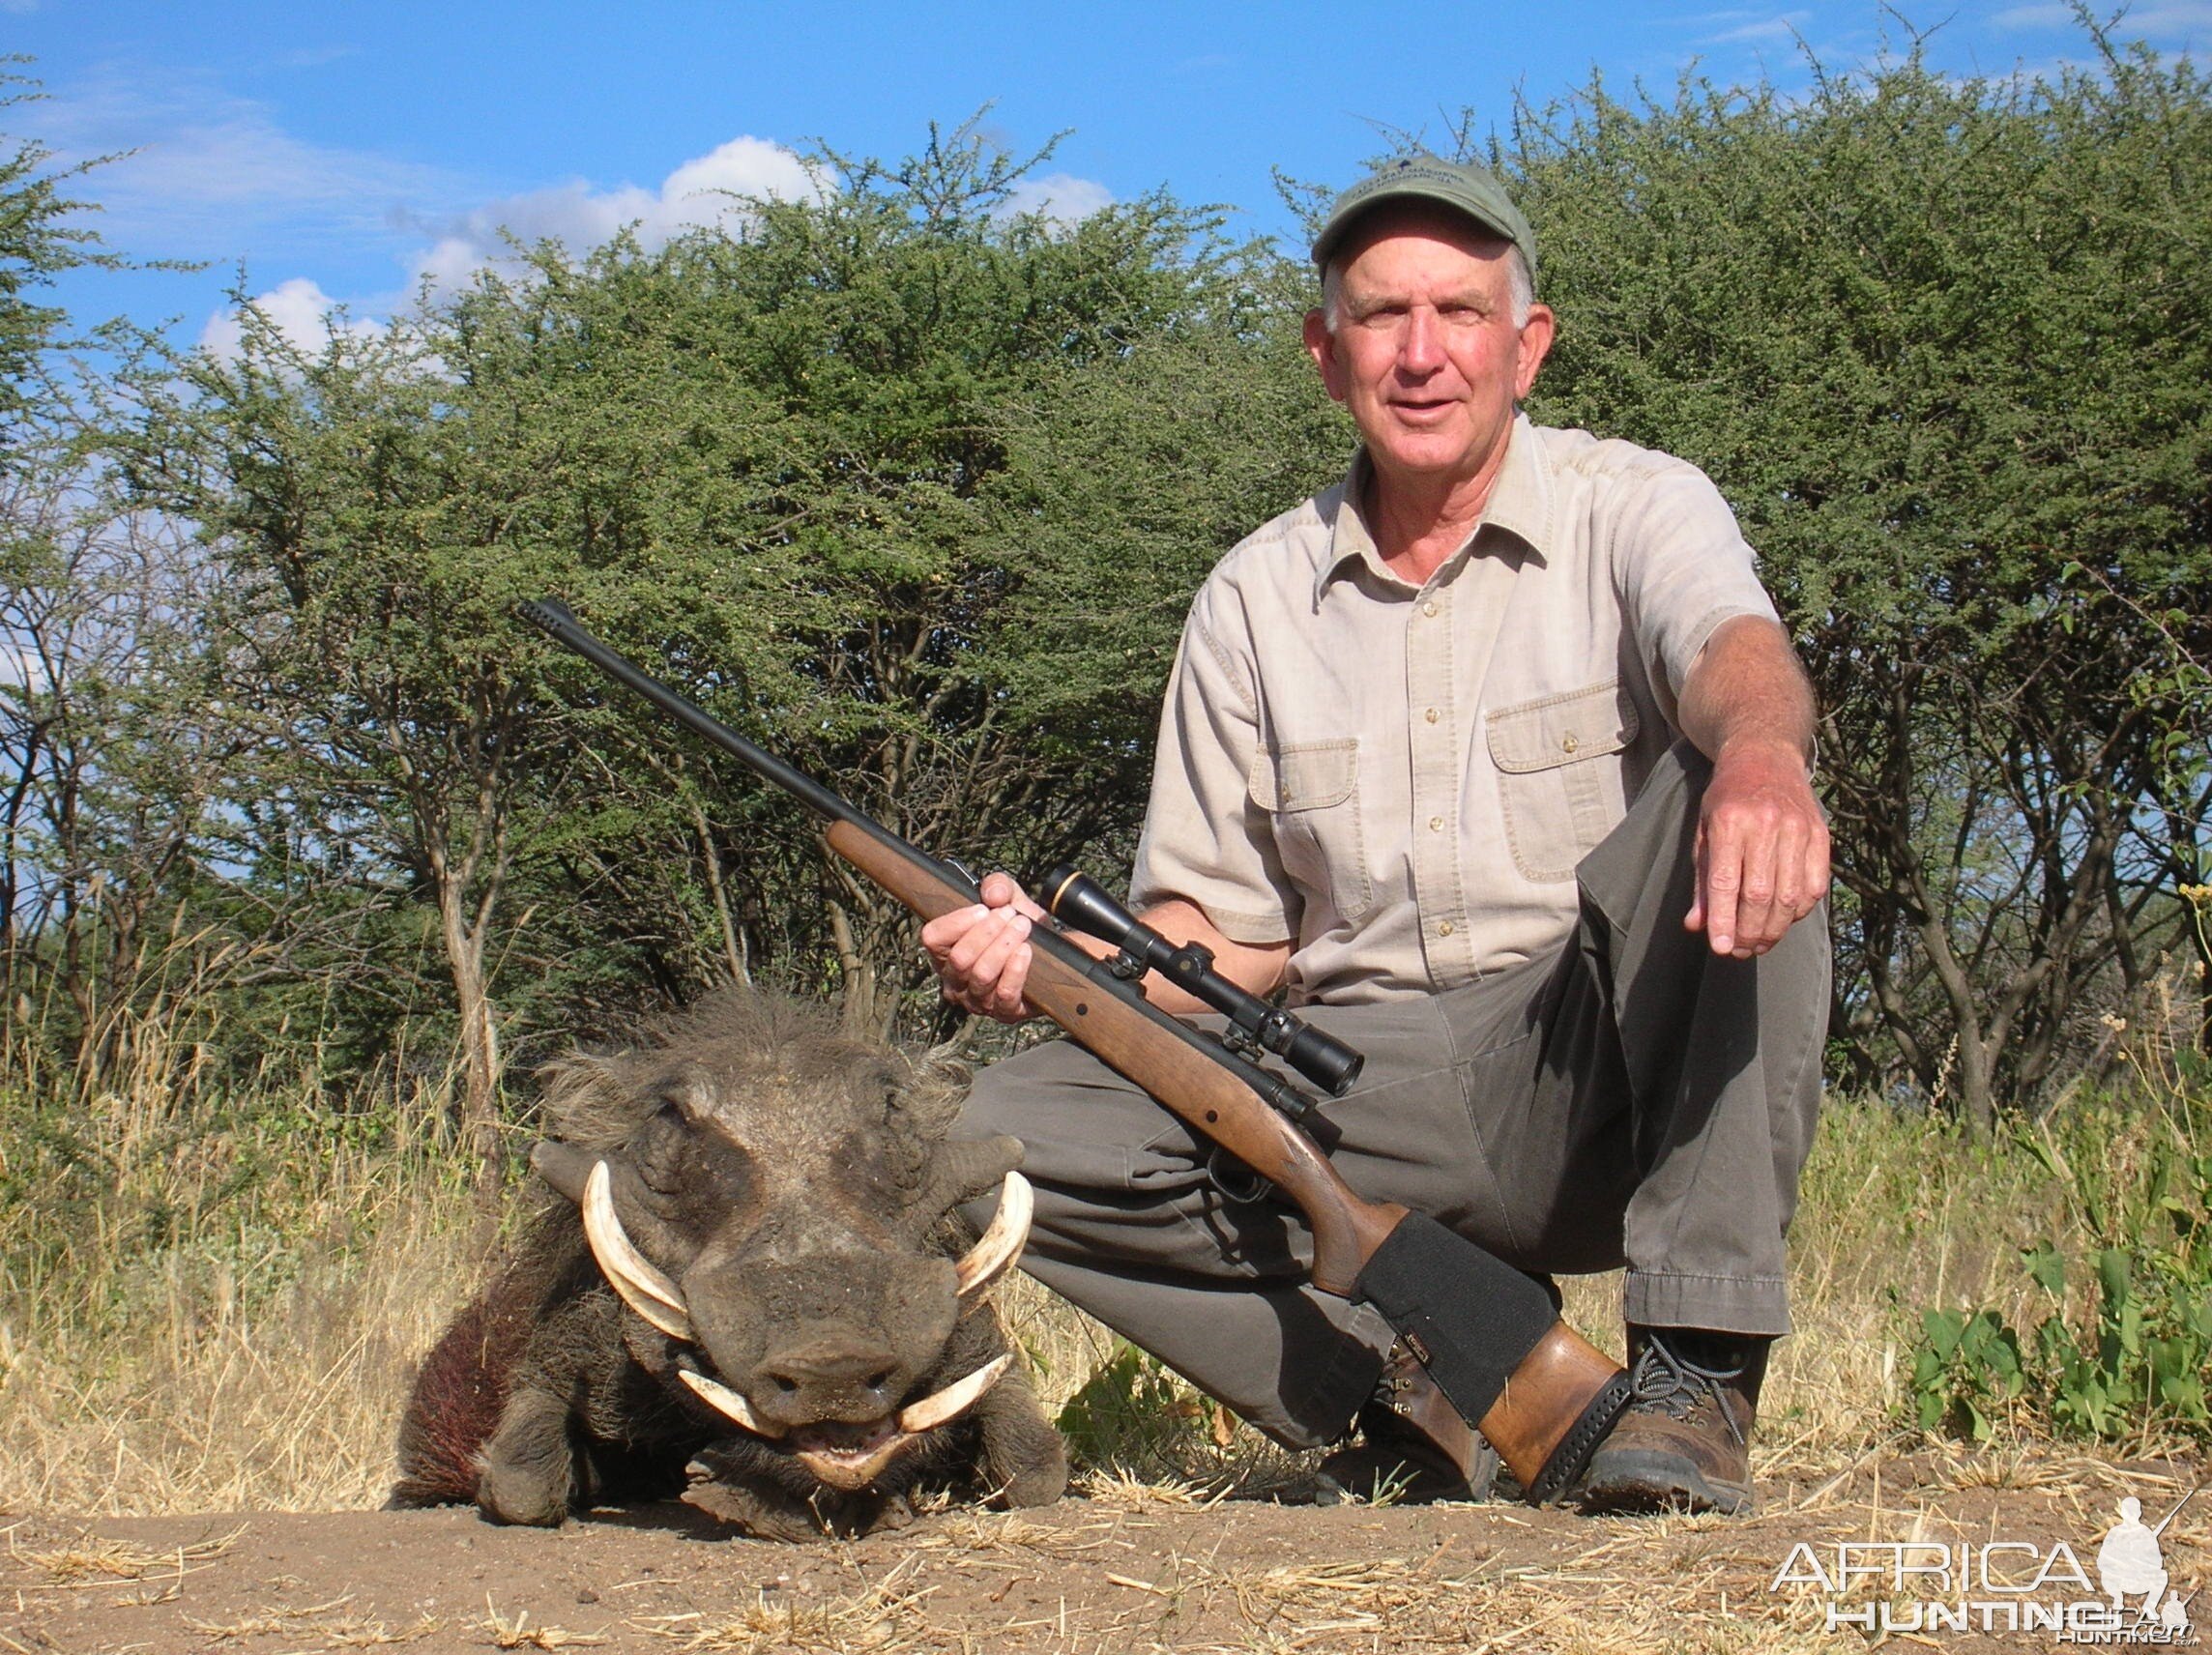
[1310, 790]
[1560, 774]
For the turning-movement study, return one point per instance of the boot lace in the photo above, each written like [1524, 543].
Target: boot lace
[1666, 1379]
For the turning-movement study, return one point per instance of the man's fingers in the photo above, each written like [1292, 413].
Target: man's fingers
[1761, 854]
[981, 952]
[1008, 936]
[1816, 874]
[1757, 922]
[941, 935]
[1720, 880]
[1695, 919]
[1002, 890]
[1006, 1003]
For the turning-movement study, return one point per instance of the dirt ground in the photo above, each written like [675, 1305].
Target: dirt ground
[1118, 1571]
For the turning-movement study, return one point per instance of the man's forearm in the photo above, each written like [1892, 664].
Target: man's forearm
[1255, 970]
[1746, 689]
[1762, 837]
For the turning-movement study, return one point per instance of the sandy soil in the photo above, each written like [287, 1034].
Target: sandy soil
[1118, 1570]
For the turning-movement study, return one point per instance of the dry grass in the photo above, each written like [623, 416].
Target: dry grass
[215, 1304]
[212, 1303]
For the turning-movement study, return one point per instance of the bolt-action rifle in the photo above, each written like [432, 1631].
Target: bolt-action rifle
[1487, 1334]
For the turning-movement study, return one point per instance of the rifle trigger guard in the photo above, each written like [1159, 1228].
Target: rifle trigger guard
[1240, 1185]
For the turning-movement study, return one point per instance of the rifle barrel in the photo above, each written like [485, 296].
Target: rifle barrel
[555, 620]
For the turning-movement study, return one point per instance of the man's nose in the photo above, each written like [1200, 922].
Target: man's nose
[1421, 348]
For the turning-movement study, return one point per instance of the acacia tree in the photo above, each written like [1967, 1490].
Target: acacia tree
[111, 771]
[1939, 341]
[773, 466]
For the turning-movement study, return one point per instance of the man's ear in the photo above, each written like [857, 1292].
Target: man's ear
[1320, 345]
[1535, 343]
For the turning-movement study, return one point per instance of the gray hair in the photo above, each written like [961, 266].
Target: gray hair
[1521, 280]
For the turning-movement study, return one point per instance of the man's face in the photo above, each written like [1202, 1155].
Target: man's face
[1425, 353]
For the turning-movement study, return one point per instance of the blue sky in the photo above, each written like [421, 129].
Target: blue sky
[338, 152]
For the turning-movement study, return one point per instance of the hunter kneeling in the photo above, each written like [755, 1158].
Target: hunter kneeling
[1496, 759]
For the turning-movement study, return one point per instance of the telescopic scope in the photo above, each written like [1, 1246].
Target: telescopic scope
[1077, 900]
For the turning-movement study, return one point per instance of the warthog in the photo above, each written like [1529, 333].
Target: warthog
[756, 1281]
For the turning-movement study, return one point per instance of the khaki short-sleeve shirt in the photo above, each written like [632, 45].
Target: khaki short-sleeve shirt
[1401, 780]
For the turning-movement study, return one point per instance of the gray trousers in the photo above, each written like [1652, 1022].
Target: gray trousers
[1626, 1100]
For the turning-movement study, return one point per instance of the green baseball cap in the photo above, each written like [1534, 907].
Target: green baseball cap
[1461, 186]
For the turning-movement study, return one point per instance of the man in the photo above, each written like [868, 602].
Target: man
[1496, 759]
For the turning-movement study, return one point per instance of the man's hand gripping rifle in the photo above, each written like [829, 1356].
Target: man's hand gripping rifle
[1487, 1333]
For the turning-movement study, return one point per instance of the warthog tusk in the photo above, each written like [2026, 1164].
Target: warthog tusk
[726, 1400]
[640, 1282]
[954, 1399]
[1002, 1244]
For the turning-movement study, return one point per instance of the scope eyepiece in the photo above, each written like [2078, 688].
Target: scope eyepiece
[1078, 901]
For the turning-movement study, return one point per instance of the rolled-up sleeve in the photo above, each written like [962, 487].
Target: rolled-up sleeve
[1682, 566]
[1204, 840]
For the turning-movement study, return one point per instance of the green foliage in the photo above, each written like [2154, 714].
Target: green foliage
[1932, 337]
[1967, 1374]
[1132, 1414]
[40, 238]
[2127, 1358]
[797, 470]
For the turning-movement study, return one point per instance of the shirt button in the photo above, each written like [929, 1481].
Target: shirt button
[1430, 715]
[1430, 607]
[1569, 745]
[1445, 929]
[1435, 824]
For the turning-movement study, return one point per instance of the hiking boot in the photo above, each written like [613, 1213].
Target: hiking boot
[1683, 1443]
[1413, 1446]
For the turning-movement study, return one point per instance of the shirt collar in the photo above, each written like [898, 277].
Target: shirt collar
[1520, 504]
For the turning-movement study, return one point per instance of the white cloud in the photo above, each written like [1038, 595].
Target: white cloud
[1059, 196]
[20, 669]
[1778, 26]
[203, 174]
[2177, 17]
[447, 251]
[299, 310]
[706, 190]
[2170, 21]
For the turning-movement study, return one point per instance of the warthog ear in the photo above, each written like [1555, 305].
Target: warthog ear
[934, 1086]
[564, 1165]
[965, 1169]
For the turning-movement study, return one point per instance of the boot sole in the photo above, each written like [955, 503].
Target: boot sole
[1631, 1481]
